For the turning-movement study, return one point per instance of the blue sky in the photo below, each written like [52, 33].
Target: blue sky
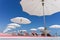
[12, 8]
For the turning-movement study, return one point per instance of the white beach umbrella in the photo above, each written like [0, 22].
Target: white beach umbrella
[33, 29]
[41, 28]
[14, 25]
[21, 20]
[44, 30]
[35, 7]
[55, 26]
[7, 29]
[41, 7]
[23, 30]
[11, 26]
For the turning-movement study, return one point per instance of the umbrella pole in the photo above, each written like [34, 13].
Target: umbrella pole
[44, 18]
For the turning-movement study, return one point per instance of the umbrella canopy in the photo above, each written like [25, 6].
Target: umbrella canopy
[7, 29]
[21, 20]
[34, 7]
[41, 28]
[33, 29]
[11, 26]
[55, 26]
[23, 30]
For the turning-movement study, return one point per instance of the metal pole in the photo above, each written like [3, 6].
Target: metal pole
[56, 34]
[44, 18]
[43, 14]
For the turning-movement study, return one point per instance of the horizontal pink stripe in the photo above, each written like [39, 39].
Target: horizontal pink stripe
[25, 37]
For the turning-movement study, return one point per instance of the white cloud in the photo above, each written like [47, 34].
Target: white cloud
[11, 26]
[20, 20]
[34, 7]
[55, 26]
[33, 29]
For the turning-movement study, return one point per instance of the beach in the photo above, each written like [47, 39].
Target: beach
[29, 38]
